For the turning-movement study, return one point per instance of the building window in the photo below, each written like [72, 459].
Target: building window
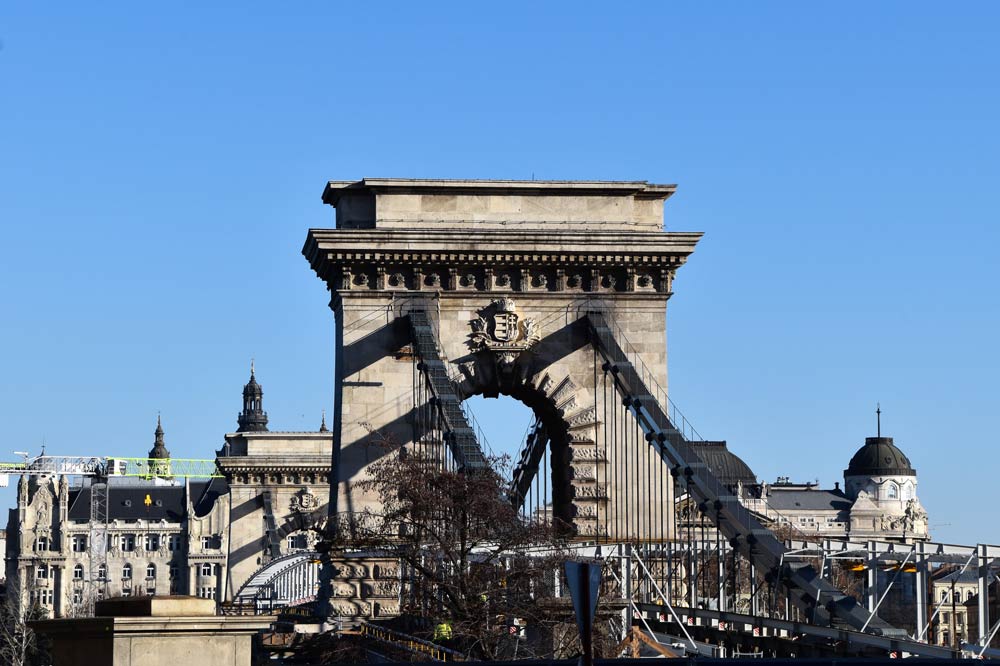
[296, 542]
[41, 543]
[151, 571]
[893, 491]
[206, 569]
[41, 572]
[126, 591]
[77, 596]
[79, 543]
[969, 595]
[42, 597]
[908, 491]
[173, 572]
[174, 543]
[152, 542]
[128, 542]
[78, 572]
[208, 542]
[207, 593]
[102, 572]
[127, 572]
[945, 618]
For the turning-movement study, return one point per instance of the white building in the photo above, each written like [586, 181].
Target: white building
[164, 537]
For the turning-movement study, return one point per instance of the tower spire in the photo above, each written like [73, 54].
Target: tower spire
[322, 425]
[159, 450]
[253, 418]
[878, 419]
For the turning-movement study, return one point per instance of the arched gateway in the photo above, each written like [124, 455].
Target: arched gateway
[502, 274]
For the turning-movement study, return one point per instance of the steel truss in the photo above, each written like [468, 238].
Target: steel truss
[780, 575]
[819, 599]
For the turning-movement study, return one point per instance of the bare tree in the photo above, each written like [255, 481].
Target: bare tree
[463, 547]
[19, 644]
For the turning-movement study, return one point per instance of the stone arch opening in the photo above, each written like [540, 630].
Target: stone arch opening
[555, 399]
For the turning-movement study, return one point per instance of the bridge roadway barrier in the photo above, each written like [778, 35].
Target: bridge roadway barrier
[764, 627]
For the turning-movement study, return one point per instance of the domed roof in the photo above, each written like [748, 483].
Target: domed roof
[727, 467]
[879, 457]
[252, 388]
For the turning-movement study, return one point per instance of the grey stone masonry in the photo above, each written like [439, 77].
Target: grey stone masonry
[506, 269]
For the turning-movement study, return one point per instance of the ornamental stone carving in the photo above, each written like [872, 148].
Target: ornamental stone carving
[304, 501]
[386, 571]
[500, 329]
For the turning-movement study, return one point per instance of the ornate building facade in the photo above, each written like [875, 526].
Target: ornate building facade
[169, 535]
[165, 536]
[878, 500]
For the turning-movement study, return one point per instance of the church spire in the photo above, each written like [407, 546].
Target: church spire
[322, 425]
[159, 450]
[253, 418]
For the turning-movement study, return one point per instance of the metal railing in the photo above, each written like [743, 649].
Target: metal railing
[400, 640]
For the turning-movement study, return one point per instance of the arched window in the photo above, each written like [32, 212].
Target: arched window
[206, 569]
[150, 570]
[892, 492]
[127, 572]
[78, 572]
[944, 595]
[908, 491]
[969, 595]
[102, 572]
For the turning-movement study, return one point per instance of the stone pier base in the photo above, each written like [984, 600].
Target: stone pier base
[153, 631]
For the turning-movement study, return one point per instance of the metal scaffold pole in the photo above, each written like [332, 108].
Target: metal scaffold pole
[98, 537]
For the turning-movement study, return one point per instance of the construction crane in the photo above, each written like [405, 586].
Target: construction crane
[96, 472]
[107, 466]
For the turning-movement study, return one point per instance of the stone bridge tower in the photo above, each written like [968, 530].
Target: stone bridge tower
[509, 268]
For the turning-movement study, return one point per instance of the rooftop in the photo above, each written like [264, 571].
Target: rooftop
[806, 498]
[335, 188]
[398, 203]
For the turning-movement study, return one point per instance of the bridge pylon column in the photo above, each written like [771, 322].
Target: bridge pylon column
[507, 271]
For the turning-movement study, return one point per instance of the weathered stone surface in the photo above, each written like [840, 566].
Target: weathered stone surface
[554, 250]
[156, 607]
[146, 632]
[293, 468]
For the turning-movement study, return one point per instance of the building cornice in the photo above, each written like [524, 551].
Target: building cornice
[539, 262]
[641, 188]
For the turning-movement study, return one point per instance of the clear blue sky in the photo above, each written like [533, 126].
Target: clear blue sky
[160, 164]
